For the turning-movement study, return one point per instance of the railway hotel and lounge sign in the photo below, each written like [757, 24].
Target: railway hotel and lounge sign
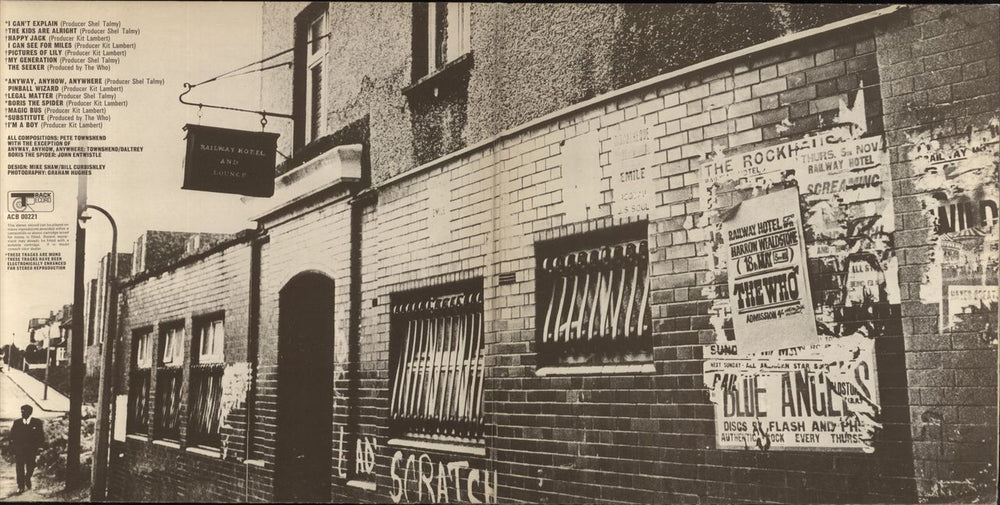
[222, 160]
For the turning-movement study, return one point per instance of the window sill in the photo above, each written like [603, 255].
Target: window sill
[440, 78]
[360, 484]
[438, 446]
[137, 437]
[205, 451]
[619, 369]
[167, 443]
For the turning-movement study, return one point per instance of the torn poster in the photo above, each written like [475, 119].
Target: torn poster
[768, 279]
[823, 396]
[958, 178]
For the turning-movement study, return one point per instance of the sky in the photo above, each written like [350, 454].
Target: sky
[178, 42]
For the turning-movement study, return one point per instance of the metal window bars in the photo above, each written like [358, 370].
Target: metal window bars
[595, 301]
[437, 386]
[138, 406]
[206, 402]
[168, 402]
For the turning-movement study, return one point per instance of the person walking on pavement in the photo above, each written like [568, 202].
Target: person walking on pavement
[26, 436]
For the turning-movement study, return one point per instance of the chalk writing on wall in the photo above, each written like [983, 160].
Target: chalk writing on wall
[631, 159]
[421, 479]
[365, 448]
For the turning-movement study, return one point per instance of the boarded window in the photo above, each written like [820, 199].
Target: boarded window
[438, 369]
[593, 299]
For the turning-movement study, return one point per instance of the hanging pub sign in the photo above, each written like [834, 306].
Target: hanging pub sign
[768, 279]
[222, 160]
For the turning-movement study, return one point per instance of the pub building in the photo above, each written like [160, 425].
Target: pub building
[585, 253]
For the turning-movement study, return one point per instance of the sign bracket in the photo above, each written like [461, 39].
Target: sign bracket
[188, 87]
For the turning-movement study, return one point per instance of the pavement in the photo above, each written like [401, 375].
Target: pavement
[18, 388]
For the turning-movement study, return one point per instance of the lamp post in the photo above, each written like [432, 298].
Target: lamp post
[102, 443]
[76, 360]
[48, 344]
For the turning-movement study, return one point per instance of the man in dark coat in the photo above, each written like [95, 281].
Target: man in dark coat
[26, 436]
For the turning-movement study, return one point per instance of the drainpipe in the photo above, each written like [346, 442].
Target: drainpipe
[358, 204]
[253, 339]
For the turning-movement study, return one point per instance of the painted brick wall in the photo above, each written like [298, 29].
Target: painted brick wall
[940, 66]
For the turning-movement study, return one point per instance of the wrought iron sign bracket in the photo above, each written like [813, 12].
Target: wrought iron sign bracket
[263, 113]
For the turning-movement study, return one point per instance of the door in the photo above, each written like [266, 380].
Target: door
[305, 390]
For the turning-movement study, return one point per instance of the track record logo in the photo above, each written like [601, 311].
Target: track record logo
[30, 201]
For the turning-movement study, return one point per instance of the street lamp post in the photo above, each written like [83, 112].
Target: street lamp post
[76, 360]
[102, 442]
[48, 344]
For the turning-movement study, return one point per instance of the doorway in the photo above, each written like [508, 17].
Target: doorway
[305, 389]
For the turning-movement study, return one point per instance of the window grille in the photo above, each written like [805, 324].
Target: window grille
[138, 411]
[438, 370]
[206, 399]
[593, 305]
[139, 381]
[168, 402]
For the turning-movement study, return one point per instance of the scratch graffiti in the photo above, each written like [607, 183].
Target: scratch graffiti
[418, 474]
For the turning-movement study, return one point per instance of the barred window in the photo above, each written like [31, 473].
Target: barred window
[593, 302]
[168, 402]
[169, 376]
[438, 368]
[206, 383]
[139, 380]
[206, 398]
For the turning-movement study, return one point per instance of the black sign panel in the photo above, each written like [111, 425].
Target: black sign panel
[222, 160]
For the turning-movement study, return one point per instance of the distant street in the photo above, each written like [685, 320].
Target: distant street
[11, 399]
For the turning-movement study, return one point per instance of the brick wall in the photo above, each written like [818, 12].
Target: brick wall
[626, 437]
[310, 238]
[142, 469]
[643, 434]
[939, 66]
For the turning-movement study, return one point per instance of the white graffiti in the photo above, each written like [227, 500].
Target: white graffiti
[442, 483]
[365, 448]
